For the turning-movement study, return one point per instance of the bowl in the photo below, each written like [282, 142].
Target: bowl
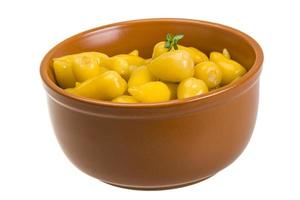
[156, 145]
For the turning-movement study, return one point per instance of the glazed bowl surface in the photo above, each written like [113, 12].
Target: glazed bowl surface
[156, 145]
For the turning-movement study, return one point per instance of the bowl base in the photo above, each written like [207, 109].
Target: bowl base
[163, 187]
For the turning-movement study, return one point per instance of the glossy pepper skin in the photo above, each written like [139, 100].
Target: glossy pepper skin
[172, 66]
[134, 52]
[154, 91]
[147, 61]
[64, 73]
[87, 65]
[78, 68]
[209, 72]
[173, 72]
[230, 68]
[105, 86]
[226, 53]
[173, 90]
[191, 87]
[140, 76]
[159, 49]
[131, 69]
[132, 59]
[125, 99]
[118, 64]
[197, 55]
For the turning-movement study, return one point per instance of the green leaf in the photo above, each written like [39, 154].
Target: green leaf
[172, 40]
[178, 37]
[169, 37]
[168, 45]
[175, 46]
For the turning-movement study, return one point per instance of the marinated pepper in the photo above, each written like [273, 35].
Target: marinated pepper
[230, 68]
[154, 91]
[105, 86]
[173, 72]
[172, 66]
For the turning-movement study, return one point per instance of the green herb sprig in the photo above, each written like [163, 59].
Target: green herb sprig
[172, 40]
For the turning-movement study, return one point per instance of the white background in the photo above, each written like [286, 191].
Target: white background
[32, 165]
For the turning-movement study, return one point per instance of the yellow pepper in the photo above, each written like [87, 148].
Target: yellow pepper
[154, 91]
[147, 61]
[173, 72]
[197, 55]
[87, 65]
[64, 73]
[173, 90]
[236, 79]
[134, 52]
[100, 57]
[140, 76]
[191, 87]
[131, 69]
[78, 67]
[226, 53]
[159, 49]
[119, 65]
[172, 66]
[105, 86]
[132, 59]
[169, 45]
[209, 72]
[230, 68]
[125, 99]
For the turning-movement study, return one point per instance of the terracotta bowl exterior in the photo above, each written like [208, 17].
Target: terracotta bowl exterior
[156, 145]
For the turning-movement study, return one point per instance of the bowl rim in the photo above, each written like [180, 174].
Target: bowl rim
[254, 70]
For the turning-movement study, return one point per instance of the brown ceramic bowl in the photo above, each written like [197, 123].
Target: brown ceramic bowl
[156, 145]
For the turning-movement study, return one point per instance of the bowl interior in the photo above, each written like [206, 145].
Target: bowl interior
[144, 34]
